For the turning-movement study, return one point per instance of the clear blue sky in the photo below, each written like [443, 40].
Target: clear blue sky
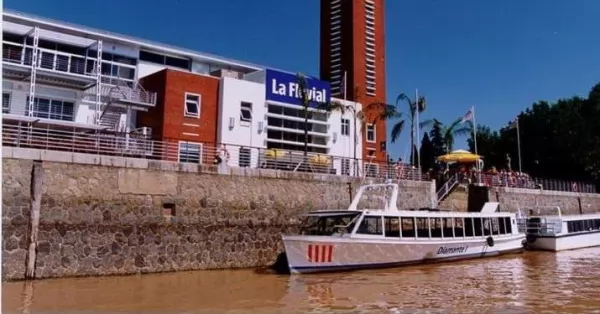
[499, 56]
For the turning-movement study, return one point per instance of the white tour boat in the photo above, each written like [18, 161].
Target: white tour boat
[340, 240]
[557, 232]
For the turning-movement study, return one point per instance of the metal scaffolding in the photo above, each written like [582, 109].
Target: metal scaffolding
[98, 73]
[34, 60]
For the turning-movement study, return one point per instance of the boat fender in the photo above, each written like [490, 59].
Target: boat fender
[490, 241]
[525, 244]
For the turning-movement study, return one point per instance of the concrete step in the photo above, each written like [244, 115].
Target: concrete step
[457, 200]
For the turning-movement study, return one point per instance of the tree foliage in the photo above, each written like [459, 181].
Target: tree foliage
[559, 140]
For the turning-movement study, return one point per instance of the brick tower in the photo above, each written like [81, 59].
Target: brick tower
[353, 46]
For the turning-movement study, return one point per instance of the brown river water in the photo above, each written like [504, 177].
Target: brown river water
[532, 282]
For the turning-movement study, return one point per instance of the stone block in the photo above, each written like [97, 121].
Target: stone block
[79, 158]
[136, 163]
[113, 161]
[26, 153]
[7, 152]
[57, 156]
[133, 181]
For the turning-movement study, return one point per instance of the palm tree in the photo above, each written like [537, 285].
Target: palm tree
[449, 132]
[388, 112]
[414, 106]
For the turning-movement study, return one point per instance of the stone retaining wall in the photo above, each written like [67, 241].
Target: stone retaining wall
[511, 199]
[150, 216]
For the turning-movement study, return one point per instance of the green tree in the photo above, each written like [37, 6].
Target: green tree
[558, 140]
[427, 153]
[488, 142]
[449, 132]
[437, 139]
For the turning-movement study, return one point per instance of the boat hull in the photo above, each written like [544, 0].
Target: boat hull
[563, 242]
[307, 254]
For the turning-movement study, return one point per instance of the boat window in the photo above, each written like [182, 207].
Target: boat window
[370, 225]
[495, 229]
[327, 225]
[469, 227]
[508, 225]
[408, 227]
[583, 225]
[436, 227]
[459, 230]
[487, 226]
[502, 225]
[392, 227]
[447, 227]
[422, 228]
[478, 225]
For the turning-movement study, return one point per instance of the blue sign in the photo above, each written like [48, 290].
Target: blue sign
[283, 87]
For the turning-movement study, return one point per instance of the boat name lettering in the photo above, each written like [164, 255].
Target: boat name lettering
[452, 250]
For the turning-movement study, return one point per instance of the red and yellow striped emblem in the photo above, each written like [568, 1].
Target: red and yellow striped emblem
[320, 253]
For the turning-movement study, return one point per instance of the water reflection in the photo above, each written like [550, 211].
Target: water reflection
[528, 283]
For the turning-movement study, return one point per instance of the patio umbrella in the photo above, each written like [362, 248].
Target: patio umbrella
[459, 156]
[275, 153]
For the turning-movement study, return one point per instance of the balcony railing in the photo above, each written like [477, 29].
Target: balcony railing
[138, 146]
[527, 182]
[48, 59]
[122, 90]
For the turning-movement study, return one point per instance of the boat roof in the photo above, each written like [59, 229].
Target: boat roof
[409, 213]
[569, 217]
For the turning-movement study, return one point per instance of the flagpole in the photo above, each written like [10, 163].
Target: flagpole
[418, 139]
[519, 144]
[475, 144]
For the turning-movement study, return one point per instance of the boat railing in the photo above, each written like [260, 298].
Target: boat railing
[389, 195]
[537, 211]
[539, 226]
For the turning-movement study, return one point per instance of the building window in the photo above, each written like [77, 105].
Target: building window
[371, 133]
[51, 109]
[345, 127]
[5, 102]
[246, 111]
[190, 152]
[192, 105]
[345, 167]
[245, 157]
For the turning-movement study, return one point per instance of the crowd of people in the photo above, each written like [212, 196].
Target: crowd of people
[493, 177]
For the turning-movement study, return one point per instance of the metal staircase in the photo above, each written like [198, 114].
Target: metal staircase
[118, 99]
[447, 188]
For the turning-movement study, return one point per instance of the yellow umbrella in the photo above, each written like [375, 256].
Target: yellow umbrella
[275, 153]
[459, 156]
[320, 159]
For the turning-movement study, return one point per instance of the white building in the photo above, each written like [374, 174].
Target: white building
[253, 112]
[65, 75]
[76, 79]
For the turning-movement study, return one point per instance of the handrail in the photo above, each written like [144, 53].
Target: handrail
[539, 209]
[447, 187]
[135, 145]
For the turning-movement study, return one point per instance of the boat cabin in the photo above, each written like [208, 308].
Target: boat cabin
[389, 222]
[554, 223]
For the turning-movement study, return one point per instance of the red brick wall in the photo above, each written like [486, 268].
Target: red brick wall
[354, 62]
[154, 118]
[168, 119]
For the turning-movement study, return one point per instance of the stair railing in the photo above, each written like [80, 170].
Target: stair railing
[447, 187]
